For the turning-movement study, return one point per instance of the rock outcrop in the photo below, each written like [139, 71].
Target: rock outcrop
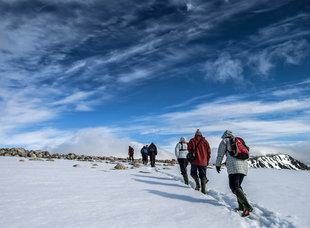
[39, 154]
[277, 161]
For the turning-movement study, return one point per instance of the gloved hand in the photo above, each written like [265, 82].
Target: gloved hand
[218, 169]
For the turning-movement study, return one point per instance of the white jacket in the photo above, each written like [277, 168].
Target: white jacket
[181, 150]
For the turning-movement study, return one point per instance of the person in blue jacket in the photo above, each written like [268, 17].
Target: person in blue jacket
[144, 155]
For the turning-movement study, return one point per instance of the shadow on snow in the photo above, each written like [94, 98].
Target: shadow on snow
[184, 197]
[159, 183]
[158, 178]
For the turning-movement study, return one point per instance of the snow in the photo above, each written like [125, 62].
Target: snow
[56, 194]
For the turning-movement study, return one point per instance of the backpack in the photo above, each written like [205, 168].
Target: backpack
[239, 149]
[131, 150]
[152, 149]
[144, 150]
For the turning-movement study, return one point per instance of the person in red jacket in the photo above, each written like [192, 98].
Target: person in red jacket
[130, 153]
[203, 155]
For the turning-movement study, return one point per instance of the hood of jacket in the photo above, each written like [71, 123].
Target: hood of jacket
[227, 134]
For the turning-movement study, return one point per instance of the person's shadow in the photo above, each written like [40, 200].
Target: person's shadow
[184, 197]
[158, 178]
[159, 183]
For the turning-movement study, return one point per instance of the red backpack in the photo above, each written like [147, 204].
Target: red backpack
[239, 149]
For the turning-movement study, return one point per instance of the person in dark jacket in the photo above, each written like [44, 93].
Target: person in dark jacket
[152, 152]
[130, 153]
[144, 155]
[203, 155]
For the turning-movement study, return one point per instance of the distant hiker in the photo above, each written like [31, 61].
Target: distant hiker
[130, 153]
[180, 153]
[144, 155]
[237, 168]
[201, 160]
[152, 152]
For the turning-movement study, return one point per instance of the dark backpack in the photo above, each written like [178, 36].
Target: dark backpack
[239, 149]
[131, 150]
[152, 149]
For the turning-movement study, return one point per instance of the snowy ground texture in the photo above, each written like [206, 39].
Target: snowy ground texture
[56, 194]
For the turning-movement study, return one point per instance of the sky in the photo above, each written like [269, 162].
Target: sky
[79, 73]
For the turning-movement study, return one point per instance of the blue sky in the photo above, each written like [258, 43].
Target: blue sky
[143, 71]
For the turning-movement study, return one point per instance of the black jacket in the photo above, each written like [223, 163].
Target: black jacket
[152, 149]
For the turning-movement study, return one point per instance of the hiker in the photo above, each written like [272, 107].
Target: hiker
[144, 155]
[180, 153]
[237, 169]
[152, 152]
[201, 161]
[130, 153]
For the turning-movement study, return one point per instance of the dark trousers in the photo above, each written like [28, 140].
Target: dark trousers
[144, 158]
[183, 164]
[130, 157]
[235, 181]
[152, 159]
[202, 171]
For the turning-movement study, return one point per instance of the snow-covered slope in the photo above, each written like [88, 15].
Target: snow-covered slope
[276, 161]
[56, 194]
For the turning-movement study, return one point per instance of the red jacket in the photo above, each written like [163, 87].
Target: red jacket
[203, 151]
[130, 150]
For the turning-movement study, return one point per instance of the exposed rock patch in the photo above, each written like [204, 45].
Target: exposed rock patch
[120, 166]
[21, 152]
[35, 159]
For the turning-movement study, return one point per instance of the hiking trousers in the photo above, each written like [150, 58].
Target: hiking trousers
[202, 171]
[183, 164]
[152, 159]
[144, 158]
[235, 181]
[130, 157]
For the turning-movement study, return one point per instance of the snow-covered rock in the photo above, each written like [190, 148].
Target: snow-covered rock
[277, 161]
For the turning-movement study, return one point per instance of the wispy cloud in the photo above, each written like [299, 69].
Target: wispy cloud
[290, 52]
[190, 101]
[257, 119]
[289, 92]
[292, 28]
[75, 98]
[224, 68]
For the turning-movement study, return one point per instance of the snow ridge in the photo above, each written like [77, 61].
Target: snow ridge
[277, 161]
[260, 217]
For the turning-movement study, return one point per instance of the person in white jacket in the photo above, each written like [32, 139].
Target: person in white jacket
[237, 169]
[180, 153]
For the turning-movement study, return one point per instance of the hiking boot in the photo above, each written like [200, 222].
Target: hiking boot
[203, 185]
[240, 207]
[197, 182]
[245, 213]
[244, 202]
[185, 179]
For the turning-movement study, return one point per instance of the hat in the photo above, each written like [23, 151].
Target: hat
[227, 134]
[182, 139]
[198, 132]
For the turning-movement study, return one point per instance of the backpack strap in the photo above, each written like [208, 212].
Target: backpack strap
[198, 143]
